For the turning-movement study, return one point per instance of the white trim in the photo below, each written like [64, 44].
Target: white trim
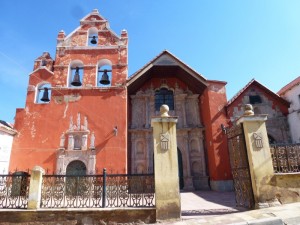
[41, 67]
[37, 92]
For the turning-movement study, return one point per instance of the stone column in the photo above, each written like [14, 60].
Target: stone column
[167, 196]
[147, 125]
[188, 180]
[259, 156]
[35, 188]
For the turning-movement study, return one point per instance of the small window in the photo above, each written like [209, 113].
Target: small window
[164, 96]
[43, 93]
[254, 99]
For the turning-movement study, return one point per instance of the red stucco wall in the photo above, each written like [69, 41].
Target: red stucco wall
[214, 100]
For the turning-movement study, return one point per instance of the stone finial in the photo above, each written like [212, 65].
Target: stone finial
[164, 109]
[61, 35]
[38, 168]
[124, 33]
[248, 110]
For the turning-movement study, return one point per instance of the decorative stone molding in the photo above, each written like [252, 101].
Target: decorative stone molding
[189, 128]
[77, 137]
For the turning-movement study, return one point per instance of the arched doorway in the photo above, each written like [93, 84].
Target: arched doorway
[75, 181]
[76, 168]
[180, 169]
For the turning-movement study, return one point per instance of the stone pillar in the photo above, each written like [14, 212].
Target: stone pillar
[188, 180]
[259, 156]
[167, 196]
[35, 188]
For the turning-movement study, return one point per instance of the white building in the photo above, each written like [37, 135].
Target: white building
[6, 139]
[291, 93]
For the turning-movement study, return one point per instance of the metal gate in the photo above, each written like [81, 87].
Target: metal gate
[240, 167]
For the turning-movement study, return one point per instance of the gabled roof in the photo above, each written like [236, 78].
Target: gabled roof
[267, 90]
[41, 68]
[95, 13]
[5, 127]
[289, 86]
[165, 59]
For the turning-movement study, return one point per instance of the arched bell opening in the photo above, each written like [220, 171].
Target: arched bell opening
[43, 93]
[76, 73]
[104, 73]
[92, 38]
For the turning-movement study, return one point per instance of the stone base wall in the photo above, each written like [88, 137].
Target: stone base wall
[284, 188]
[77, 216]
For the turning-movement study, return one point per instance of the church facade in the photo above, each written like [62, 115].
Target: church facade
[84, 113]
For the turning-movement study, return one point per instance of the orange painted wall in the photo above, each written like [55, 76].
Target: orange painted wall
[40, 126]
[214, 100]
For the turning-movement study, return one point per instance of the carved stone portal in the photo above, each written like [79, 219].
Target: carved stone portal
[190, 137]
[76, 147]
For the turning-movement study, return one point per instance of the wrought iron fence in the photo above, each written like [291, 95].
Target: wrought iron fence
[90, 191]
[286, 158]
[14, 190]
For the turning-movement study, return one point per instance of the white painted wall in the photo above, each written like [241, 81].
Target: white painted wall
[292, 96]
[5, 149]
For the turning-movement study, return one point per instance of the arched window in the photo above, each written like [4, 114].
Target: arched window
[104, 73]
[43, 93]
[76, 72]
[164, 96]
[92, 39]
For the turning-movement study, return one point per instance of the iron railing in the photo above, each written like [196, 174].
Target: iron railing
[14, 190]
[95, 191]
[286, 158]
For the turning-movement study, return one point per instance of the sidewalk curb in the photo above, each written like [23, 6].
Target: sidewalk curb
[264, 221]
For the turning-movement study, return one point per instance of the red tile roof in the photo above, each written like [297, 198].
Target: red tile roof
[289, 86]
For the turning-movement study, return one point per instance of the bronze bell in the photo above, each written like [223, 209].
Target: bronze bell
[45, 97]
[104, 79]
[94, 41]
[76, 80]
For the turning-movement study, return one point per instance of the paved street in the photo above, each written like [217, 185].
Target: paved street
[218, 208]
[207, 203]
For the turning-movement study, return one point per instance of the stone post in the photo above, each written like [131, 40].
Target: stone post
[35, 188]
[167, 195]
[259, 156]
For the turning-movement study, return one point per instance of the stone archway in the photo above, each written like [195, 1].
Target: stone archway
[75, 182]
[76, 167]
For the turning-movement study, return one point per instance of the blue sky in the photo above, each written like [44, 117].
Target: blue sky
[230, 40]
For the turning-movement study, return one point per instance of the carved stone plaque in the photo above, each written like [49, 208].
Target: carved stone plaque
[258, 140]
[165, 141]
